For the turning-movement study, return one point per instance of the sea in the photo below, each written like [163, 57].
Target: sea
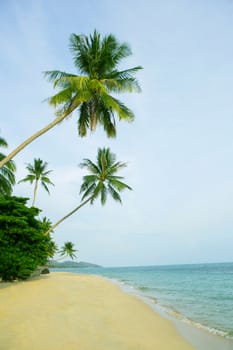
[198, 298]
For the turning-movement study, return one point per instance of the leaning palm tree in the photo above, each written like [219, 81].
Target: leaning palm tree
[92, 89]
[100, 182]
[7, 177]
[38, 173]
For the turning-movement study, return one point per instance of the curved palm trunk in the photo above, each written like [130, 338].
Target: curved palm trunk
[35, 136]
[35, 192]
[68, 215]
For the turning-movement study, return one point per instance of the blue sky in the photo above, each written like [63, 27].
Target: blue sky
[179, 149]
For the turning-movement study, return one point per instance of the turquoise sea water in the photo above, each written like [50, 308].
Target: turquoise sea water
[200, 294]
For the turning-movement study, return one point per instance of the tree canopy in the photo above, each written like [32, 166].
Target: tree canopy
[23, 244]
[38, 173]
[100, 182]
[92, 89]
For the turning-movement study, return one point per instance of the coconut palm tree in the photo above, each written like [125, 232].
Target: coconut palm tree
[7, 177]
[92, 89]
[38, 173]
[68, 250]
[100, 181]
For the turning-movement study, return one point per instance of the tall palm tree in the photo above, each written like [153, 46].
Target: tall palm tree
[7, 177]
[100, 182]
[38, 173]
[91, 90]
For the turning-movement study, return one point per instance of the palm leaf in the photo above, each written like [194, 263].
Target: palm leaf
[56, 75]
[119, 185]
[88, 190]
[118, 107]
[28, 178]
[115, 195]
[3, 142]
[61, 97]
[90, 166]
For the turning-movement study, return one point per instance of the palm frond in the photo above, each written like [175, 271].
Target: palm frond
[43, 184]
[75, 82]
[79, 47]
[5, 186]
[119, 185]
[90, 166]
[28, 178]
[113, 52]
[97, 191]
[115, 195]
[61, 97]
[117, 106]
[88, 190]
[121, 85]
[45, 173]
[46, 180]
[83, 121]
[124, 74]
[9, 165]
[3, 142]
[116, 167]
[76, 100]
[103, 194]
[55, 75]
[8, 174]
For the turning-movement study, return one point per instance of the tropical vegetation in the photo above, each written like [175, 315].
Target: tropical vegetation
[100, 182]
[7, 173]
[38, 173]
[93, 88]
[68, 250]
[23, 244]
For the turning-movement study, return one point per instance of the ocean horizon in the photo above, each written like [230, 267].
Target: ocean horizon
[198, 295]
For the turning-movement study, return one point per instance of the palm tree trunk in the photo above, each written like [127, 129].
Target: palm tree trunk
[68, 215]
[35, 136]
[35, 192]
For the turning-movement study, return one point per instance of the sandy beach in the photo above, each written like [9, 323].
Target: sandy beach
[68, 311]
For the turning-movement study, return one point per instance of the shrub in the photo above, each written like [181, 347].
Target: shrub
[23, 244]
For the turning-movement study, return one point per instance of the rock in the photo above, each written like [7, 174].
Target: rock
[44, 271]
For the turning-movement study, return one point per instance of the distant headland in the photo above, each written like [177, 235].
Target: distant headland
[68, 264]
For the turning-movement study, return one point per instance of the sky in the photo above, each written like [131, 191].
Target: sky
[179, 149]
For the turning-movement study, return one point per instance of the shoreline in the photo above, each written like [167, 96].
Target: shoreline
[199, 337]
[70, 311]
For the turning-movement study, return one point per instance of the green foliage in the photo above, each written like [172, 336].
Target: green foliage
[7, 177]
[68, 250]
[23, 245]
[37, 172]
[97, 61]
[102, 180]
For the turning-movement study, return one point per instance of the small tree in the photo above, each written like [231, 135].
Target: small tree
[38, 173]
[23, 244]
[68, 250]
